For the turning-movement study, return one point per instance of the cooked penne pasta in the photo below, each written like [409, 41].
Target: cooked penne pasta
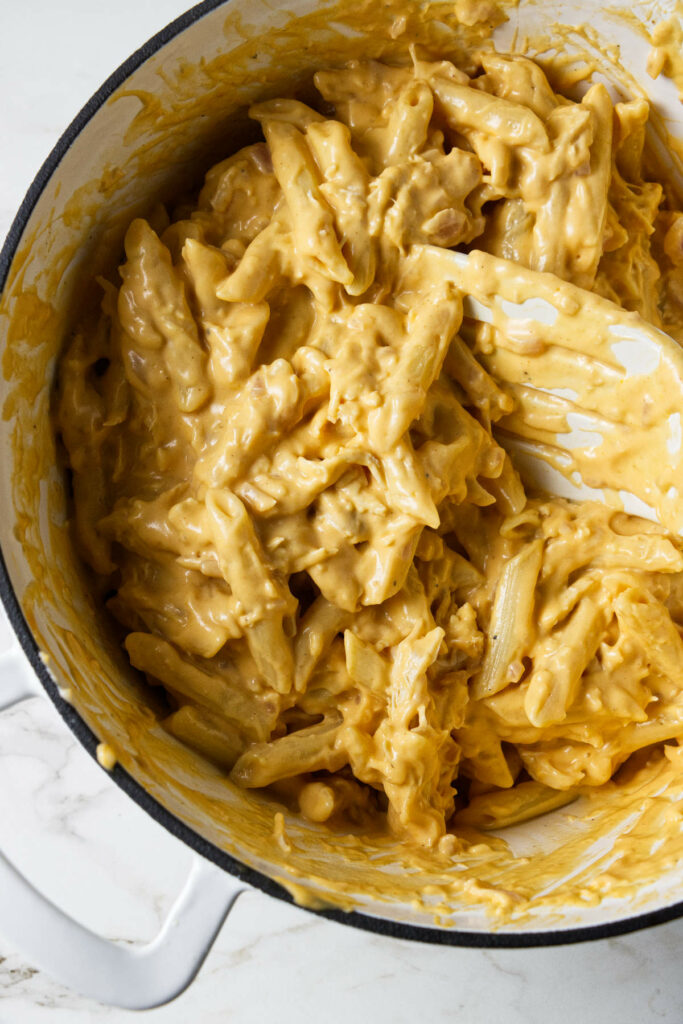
[307, 750]
[311, 217]
[511, 629]
[160, 660]
[318, 628]
[292, 467]
[472, 110]
[345, 187]
[513, 806]
[207, 733]
[560, 663]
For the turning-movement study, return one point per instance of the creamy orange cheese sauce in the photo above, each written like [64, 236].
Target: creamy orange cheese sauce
[287, 469]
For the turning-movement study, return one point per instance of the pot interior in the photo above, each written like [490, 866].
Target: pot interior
[153, 133]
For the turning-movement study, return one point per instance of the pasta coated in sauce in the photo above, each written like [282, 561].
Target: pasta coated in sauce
[287, 475]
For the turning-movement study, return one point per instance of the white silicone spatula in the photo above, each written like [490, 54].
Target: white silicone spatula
[599, 391]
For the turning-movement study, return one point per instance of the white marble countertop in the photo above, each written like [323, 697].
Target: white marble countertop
[95, 853]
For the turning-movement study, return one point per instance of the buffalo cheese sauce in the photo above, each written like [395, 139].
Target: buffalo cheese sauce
[289, 479]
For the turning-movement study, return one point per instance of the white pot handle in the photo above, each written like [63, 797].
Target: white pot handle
[133, 978]
[17, 679]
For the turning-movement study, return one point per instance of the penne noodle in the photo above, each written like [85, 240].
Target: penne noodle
[291, 112]
[312, 220]
[511, 630]
[430, 329]
[157, 658]
[518, 80]
[508, 489]
[273, 396]
[560, 663]
[558, 606]
[409, 122]
[321, 624]
[651, 623]
[507, 807]
[345, 187]
[263, 600]
[468, 109]
[207, 733]
[480, 388]
[261, 268]
[308, 750]
[161, 319]
[364, 665]
[597, 100]
[407, 489]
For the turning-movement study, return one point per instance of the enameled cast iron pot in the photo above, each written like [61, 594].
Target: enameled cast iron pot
[142, 137]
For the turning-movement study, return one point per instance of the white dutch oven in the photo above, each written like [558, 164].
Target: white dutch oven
[141, 137]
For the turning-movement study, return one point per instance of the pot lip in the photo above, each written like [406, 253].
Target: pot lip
[87, 738]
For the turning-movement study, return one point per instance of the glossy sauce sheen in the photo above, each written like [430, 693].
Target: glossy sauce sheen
[288, 474]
